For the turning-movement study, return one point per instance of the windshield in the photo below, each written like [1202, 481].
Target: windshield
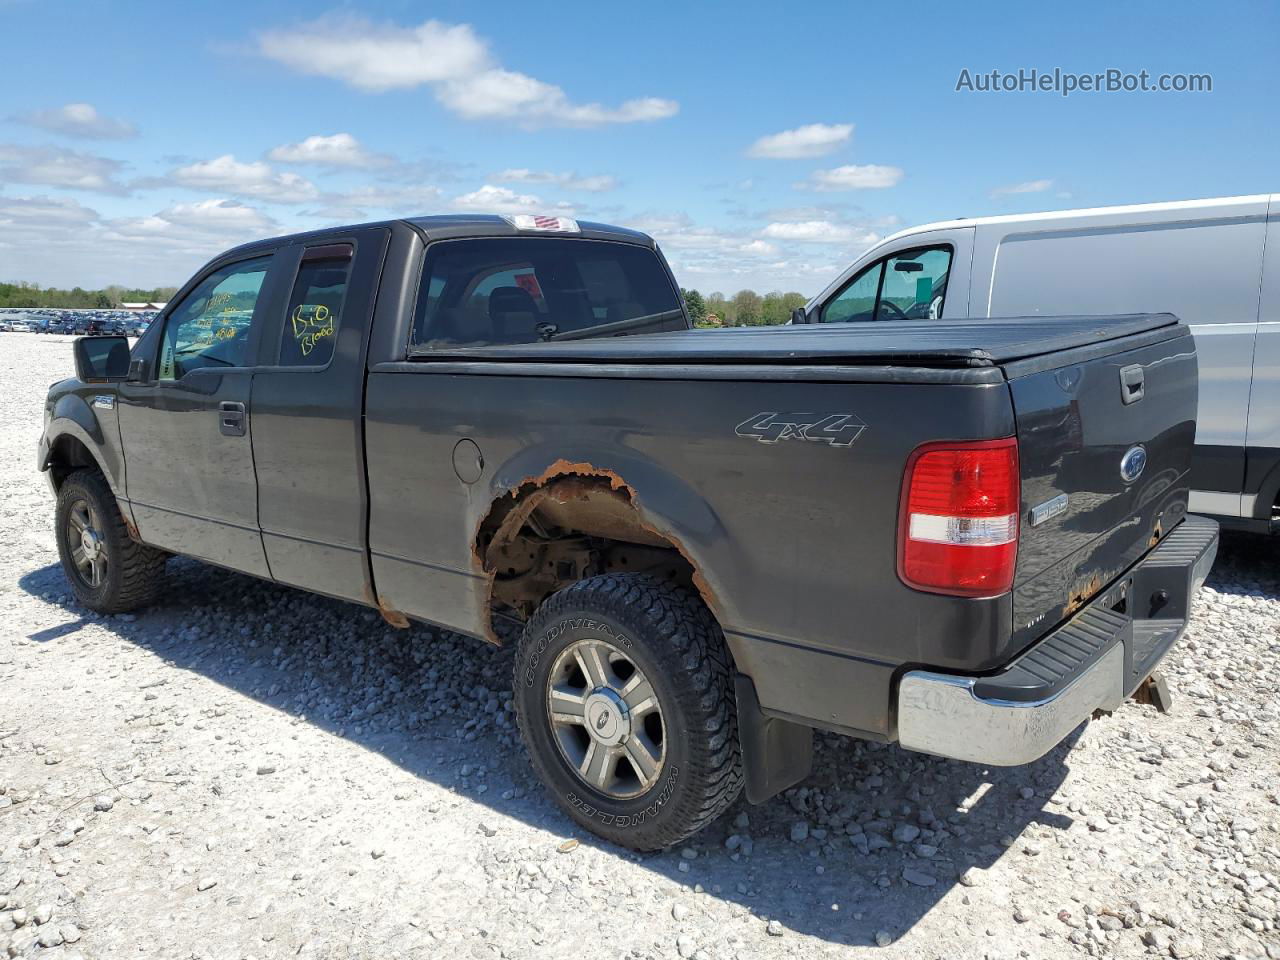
[531, 289]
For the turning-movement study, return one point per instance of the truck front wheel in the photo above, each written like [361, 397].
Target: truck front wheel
[108, 571]
[624, 695]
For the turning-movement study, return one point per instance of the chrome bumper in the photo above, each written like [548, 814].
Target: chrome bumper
[1094, 661]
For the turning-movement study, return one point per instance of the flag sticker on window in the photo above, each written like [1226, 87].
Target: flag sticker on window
[529, 283]
[524, 221]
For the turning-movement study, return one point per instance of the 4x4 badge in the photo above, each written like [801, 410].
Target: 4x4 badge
[837, 429]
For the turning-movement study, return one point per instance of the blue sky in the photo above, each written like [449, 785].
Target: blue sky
[764, 146]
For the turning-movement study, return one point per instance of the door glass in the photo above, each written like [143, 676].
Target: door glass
[315, 311]
[210, 327]
[857, 300]
[915, 285]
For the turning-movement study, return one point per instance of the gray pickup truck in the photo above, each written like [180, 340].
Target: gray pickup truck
[962, 536]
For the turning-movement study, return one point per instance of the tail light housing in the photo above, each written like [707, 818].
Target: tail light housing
[958, 528]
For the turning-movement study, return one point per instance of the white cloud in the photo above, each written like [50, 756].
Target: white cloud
[811, 140]
[1030, 186]
[340, 151]
[61, 242]
[854, 176]
[400, 201]
[216, 220]
[56, 167]
[818, 231]
[79, 120]
[711, 259]
[450, 59]
[491, 199]
[226, 174]
[570, 181]
[43, 213]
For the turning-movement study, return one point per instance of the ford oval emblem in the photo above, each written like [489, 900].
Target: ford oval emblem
[1133, 463]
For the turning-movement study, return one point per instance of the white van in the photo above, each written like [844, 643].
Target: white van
[1214, 263]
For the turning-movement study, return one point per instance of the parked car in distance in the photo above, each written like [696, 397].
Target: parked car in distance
[965, 538]
[1213, 263]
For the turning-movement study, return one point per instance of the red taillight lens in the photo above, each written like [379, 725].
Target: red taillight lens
[958, 532]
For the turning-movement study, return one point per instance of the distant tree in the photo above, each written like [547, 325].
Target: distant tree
[747, 306]
[793, 301]
[719, 307]
[772, 310]
[24, 294]
[697, 306]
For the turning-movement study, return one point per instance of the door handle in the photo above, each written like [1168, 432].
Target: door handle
[231, 418]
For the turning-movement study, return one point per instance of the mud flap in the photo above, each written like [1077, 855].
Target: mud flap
[776, 754]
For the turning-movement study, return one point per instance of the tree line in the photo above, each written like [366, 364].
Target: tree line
[77, 298]
[746, 308]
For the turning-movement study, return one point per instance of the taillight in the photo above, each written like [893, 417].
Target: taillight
[958, 531]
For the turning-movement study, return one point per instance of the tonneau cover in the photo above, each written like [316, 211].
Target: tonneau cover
[965, 342]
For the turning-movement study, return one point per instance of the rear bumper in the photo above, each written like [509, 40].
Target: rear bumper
[1093, 661]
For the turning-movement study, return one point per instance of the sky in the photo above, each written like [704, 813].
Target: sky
[765, 146]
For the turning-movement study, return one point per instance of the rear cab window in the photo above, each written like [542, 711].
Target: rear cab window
[509, 290]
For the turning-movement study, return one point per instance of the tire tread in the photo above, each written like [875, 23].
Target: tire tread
[702, 673]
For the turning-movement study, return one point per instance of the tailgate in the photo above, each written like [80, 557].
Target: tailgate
[1105, 454]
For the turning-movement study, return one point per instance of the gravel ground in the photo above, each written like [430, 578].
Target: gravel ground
[251, 771]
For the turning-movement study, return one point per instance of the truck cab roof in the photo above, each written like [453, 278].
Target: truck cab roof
[456, 226]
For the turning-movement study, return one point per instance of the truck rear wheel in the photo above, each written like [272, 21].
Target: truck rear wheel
[108, 571]
[624, 696]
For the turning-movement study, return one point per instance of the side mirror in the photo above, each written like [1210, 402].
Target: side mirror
[799, 316]
[101, 359]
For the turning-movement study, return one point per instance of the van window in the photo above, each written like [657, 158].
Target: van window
[530, 289]
[915, 285]
[857, 301]
[909, 285]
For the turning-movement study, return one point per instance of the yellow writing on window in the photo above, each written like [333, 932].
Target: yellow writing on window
[312, 322]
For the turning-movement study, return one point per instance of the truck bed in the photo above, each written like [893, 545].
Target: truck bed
[947, 344]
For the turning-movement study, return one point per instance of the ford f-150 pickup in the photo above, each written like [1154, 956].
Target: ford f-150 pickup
[965, 536]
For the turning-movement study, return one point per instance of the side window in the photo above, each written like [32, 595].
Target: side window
[210, 327]
[915, 285]
[315, 307]
[857, 300]
[911, 285]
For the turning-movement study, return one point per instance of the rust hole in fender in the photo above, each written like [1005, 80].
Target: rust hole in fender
[571, 521]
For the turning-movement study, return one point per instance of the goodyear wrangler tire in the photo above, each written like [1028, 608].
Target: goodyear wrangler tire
[108, 571]
[624, 696]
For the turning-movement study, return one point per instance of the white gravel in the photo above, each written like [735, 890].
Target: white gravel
[251, 771]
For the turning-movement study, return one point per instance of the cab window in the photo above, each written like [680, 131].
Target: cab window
[210, 327]
[532, 289]
[910, 285]
[315, 307]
